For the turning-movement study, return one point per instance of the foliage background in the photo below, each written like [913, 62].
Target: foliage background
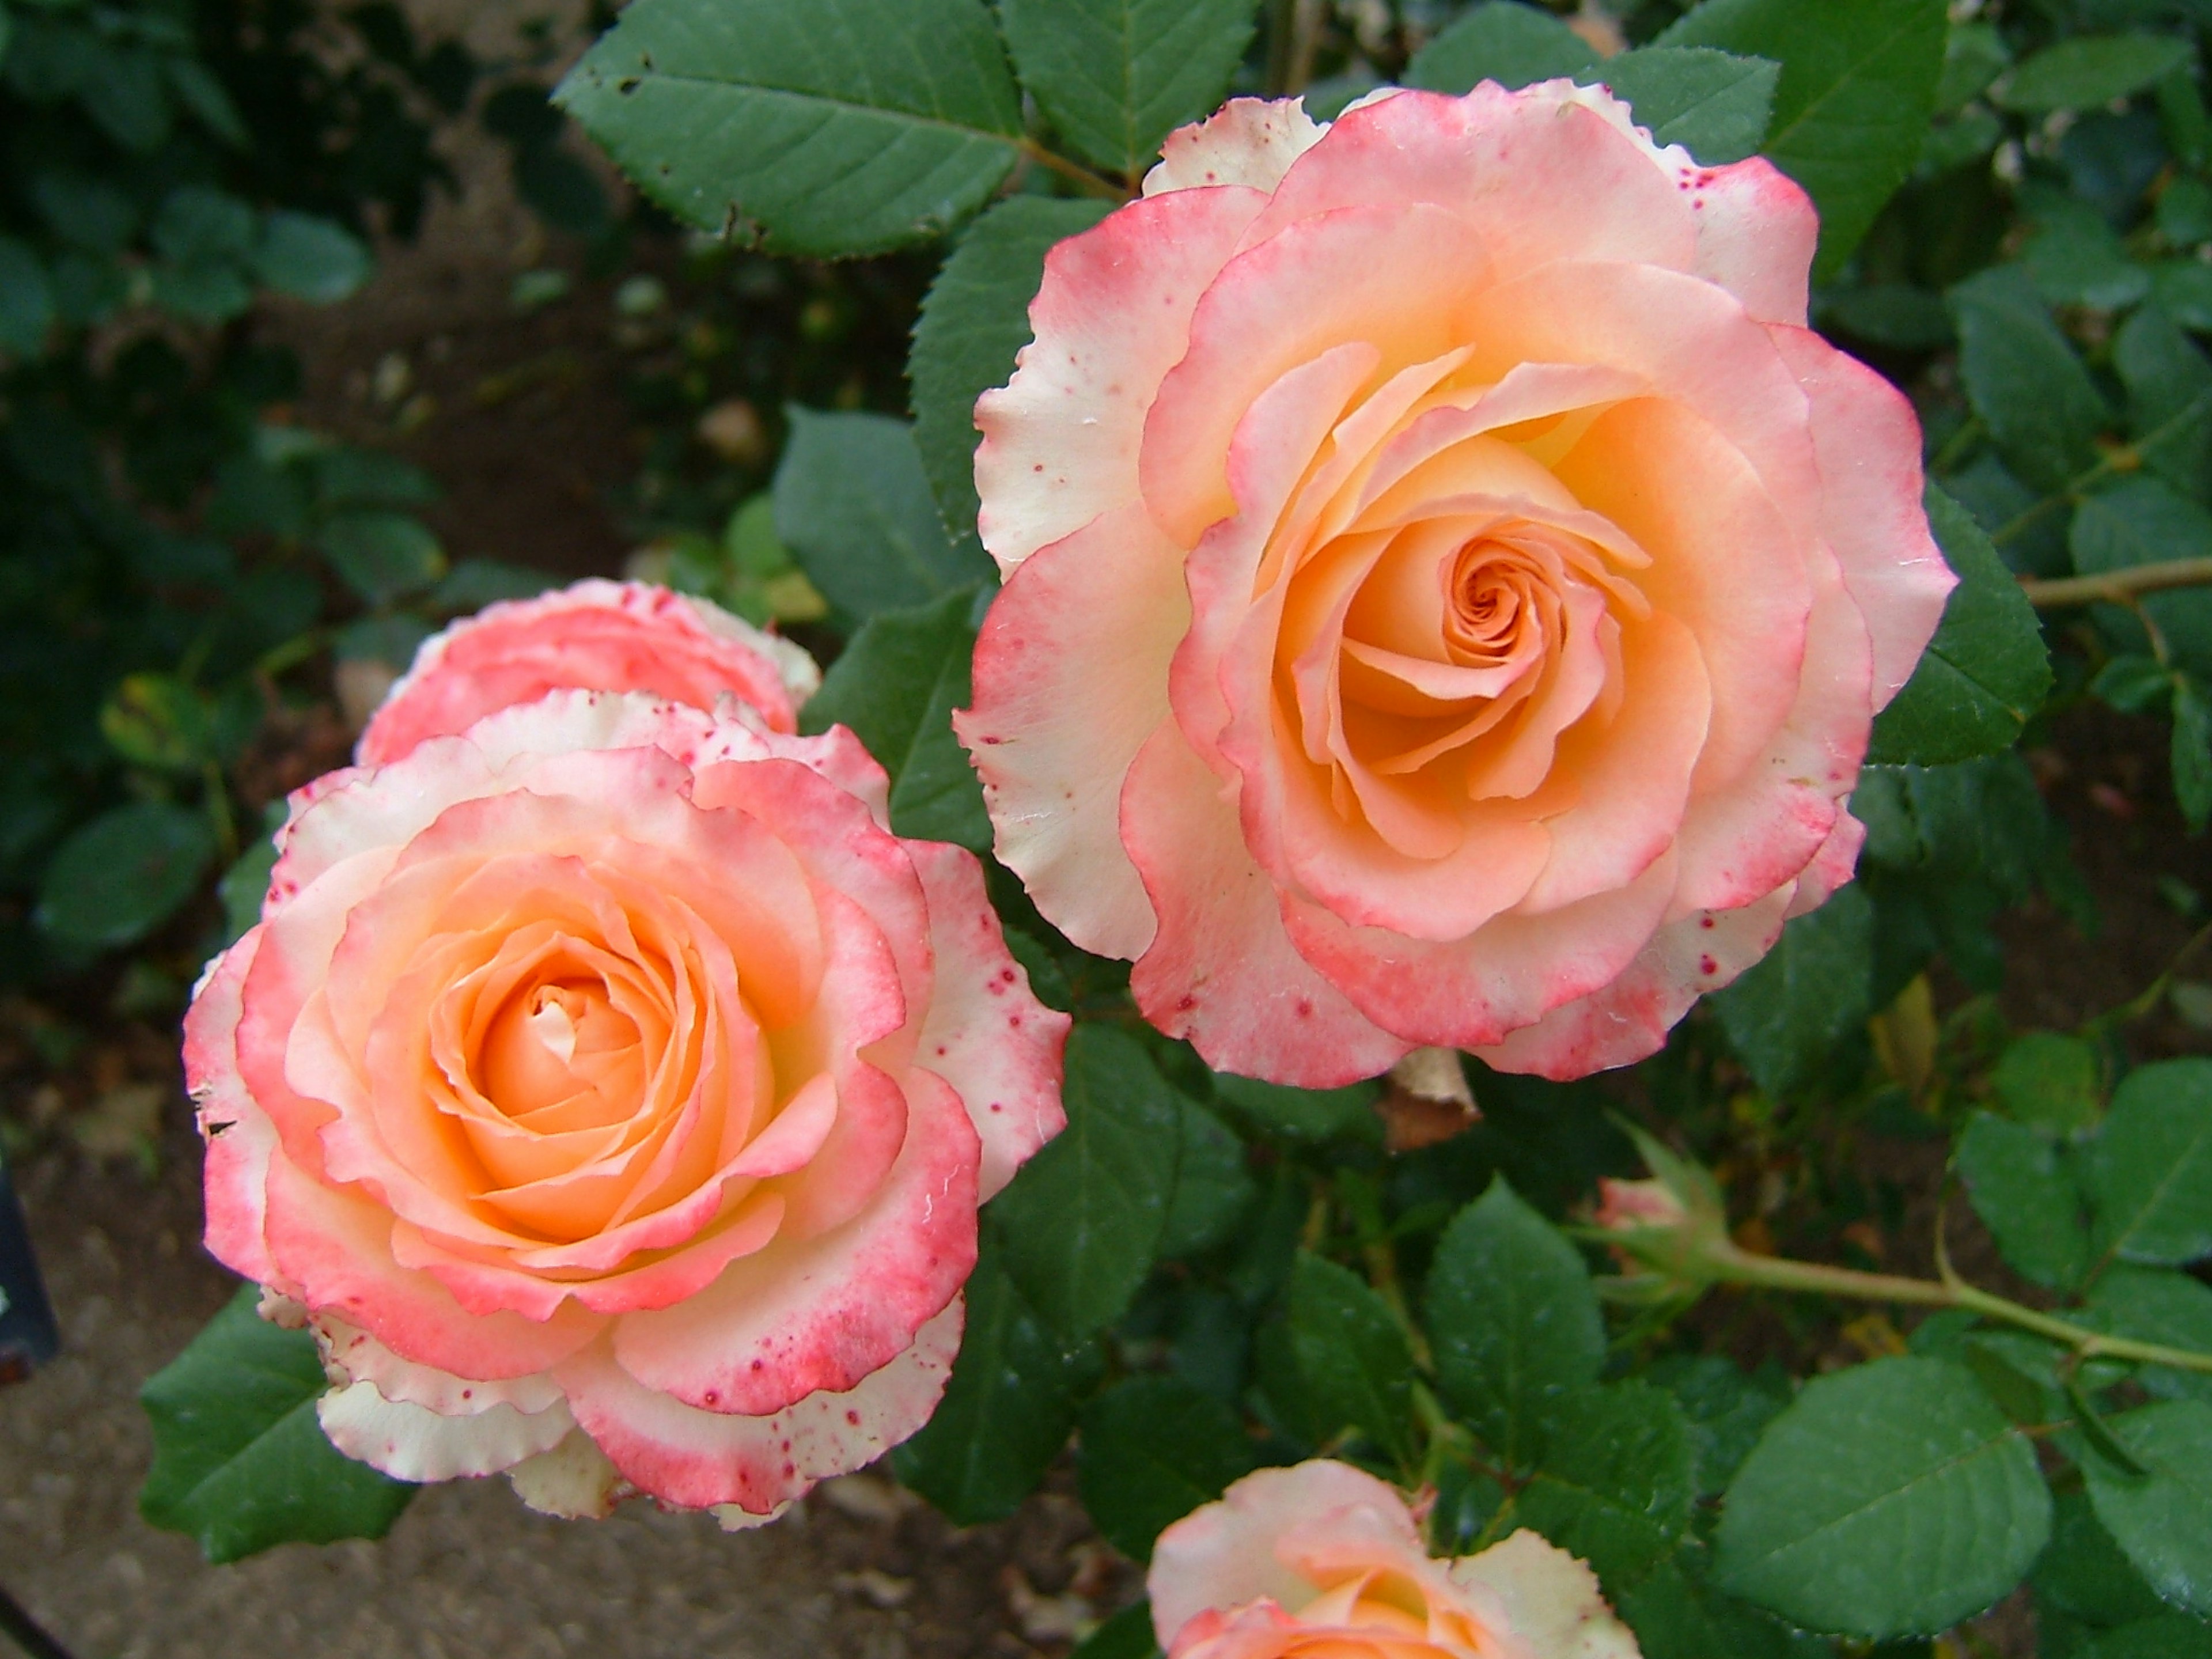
[1208, 1273]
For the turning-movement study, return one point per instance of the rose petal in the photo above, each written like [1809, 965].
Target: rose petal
[1248, 141]
[412, 1442]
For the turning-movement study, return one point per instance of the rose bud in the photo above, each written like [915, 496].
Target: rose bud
[612, 1093]
[1448, 587]
[1324, 1560]
[596, 635]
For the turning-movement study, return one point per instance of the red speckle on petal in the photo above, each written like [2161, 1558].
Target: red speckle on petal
[1305, 1008]
[854, 1418]
[997, 1107]
[1705, 921]
[1014, 1022]
[711, 1398]
[468, 1393]
[759, 1365]
[1707, 966]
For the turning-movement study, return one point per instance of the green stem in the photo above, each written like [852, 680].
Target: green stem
[1970, 433]
[1734, 1266]
[1091, 183]
[2127, 459]
[2114, 586]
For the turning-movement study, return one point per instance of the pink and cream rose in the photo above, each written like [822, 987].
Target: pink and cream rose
[612, 1093]
[1448, 588]
[595, 635]
[1324, 1561]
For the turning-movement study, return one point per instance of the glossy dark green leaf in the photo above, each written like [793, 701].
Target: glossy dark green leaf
[1513, 1319]
[1083, 1219]
[1352, 1354]
[1677, 1615]
[121, 876]
[1889, 1499]
[895, 685]
[1114, 76]
[1713, 104]
[1725, 1408]
[974, 319]
[843, 127]
[2163, 1517]
[1616, 1481]
[1127, 1635]
[2165, 1636]
[2049, 1080]
[2089, 70]
[2150, 1170]
[1213, 1189]
[2153, 1304]
[853, 503]
[241, 1462]
[27, 298]
[310, 258]
[1008, 1407]
[1785, 1016]
[2026, 1192]
[381, 555]
[1500, 41]
[2084, 1575]
[2024, 380]
[1305, 1114]
[1985, 671]
[2189, 754]
[1153, 1451]
[1858, 84]
[2146, 521]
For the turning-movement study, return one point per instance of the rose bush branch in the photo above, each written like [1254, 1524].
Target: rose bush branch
[2116, 586]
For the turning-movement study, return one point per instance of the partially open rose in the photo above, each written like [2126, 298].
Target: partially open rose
[595, 635]
[613, 1093]
[1448, 588]
[1324, 1561]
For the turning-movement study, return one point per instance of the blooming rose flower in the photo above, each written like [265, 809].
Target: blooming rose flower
[594, 636]
[1326, 1561]
[1448, 588]
[613, 1094]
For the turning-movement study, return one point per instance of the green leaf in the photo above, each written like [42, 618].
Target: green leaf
[1713, 104]
[1786, 1014]
[2024, 380]
[1676, 1616]
[195, 224]
[2077, 259]
[1499, 40]
[1313, 1115]
[472, 584]
[1127, 1635]
[27, 298]
[2161, 1518]
[1008, 1407]
[843, 127]
[1153, 1451]
[2153, 1304]
[2168, 1636]
[157, 722]
[974, 319]
[382, 556]
[2026, 1191]
[124, 873]
[1214, 1187]
[1858, 84]
[2089, 70]
[246, 884]
[2144, 521]
[1725, 1409]
[1985, 671]
[2049, 1081]
[239, 1460]
[2150, 1170]
[1351, 1355]
[1616, 1481]
[310, 258]
[1082, 1221]
[1974, 54]
[1115, 75]
[895, 685]
[1890, 1499]
[2083, 1574]
[2190, 754]
[853, 503]
[1513, 1319]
